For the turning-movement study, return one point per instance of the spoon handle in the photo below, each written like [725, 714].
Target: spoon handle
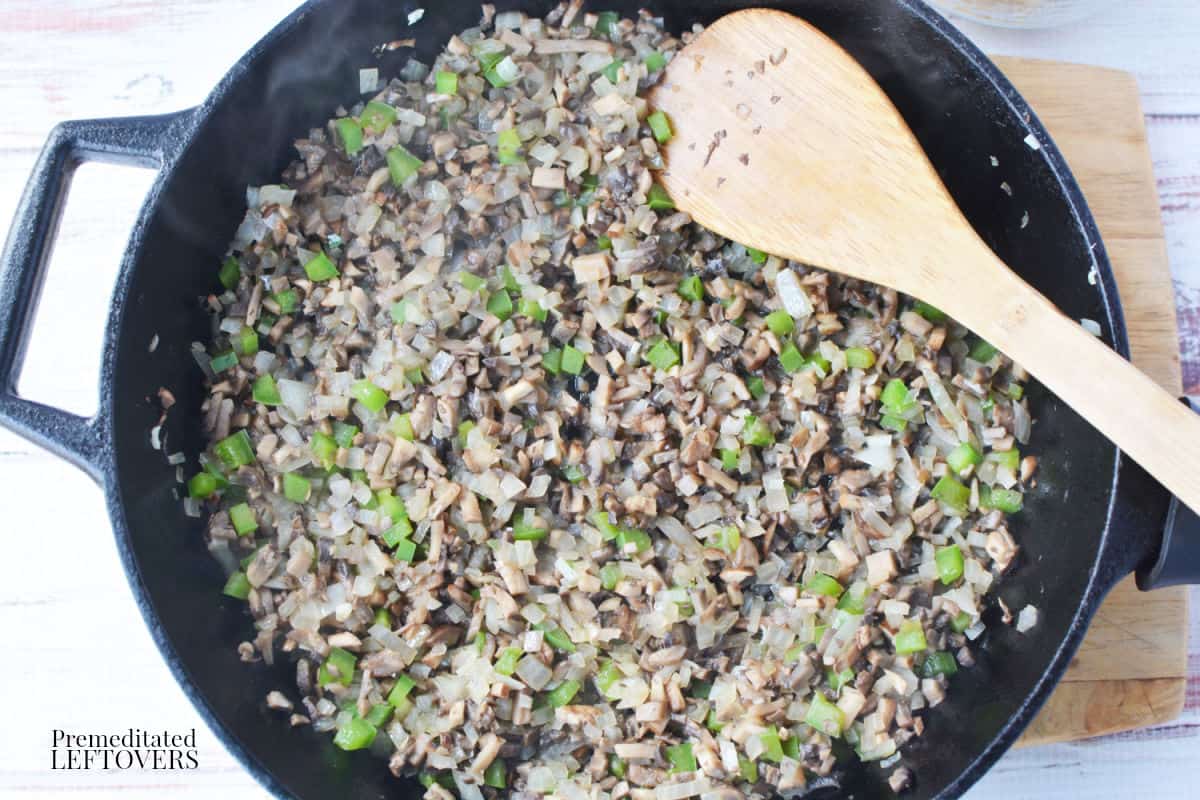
[1119, 400]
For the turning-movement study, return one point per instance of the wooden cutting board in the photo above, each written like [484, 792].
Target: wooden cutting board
[1131, 670]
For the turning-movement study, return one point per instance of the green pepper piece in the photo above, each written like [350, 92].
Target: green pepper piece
[681, 758]
[338, 667]
[825, 716]
[910, 638]
[949, 563]
[355, 734]
[823, 585]
[237, 587]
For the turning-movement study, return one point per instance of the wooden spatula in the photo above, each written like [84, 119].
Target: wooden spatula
[785, 144]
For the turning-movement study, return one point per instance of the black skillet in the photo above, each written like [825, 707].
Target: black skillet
[1094, 518]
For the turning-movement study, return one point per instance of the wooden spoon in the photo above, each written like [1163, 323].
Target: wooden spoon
[809, 160]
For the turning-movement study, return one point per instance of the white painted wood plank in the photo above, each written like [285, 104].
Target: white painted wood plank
[70, 59]
[81, 654]
[1153, 40]
[77, 655]
[1175, 146]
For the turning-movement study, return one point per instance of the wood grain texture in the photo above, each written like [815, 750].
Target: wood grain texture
[1131, 669]
[1135, 636]
[1095, 117]
[76, 652]
[1083, 709]
[761, 99]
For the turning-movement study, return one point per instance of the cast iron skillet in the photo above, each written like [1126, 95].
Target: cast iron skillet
[1093, 519]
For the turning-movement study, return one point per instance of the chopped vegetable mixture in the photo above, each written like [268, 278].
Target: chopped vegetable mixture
[546, 489]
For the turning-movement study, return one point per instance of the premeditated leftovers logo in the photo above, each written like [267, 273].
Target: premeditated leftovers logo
[133, 749]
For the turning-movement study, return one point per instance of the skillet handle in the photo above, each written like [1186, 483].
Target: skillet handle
[1177, 561]
[132, 141]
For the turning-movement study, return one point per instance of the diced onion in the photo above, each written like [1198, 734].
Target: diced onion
[792, 295]
[368, 80]
[276, 195]
[1027, 619]
[678, 791]
[507, 70]
[295, 396]
[535, 674]
[945, 404]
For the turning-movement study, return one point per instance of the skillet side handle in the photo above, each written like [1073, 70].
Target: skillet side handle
[133, 141]
[1177, 561]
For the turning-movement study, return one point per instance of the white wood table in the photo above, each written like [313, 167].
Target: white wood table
[76, 655]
